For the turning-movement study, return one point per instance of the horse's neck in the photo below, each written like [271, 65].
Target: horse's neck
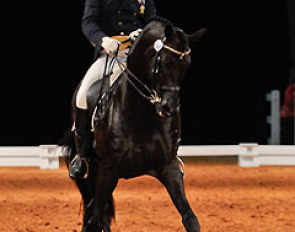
[138, 115]
[136, 104]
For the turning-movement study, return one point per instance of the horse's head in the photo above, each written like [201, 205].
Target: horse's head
[160, 58]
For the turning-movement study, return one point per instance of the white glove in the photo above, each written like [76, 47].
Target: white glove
[110, 45]
[134, 34]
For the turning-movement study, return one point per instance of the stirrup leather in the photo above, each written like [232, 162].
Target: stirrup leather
[85, 160]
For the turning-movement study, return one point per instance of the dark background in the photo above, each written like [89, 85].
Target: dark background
[243, 56]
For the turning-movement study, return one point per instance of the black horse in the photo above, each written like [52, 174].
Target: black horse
[139, 132]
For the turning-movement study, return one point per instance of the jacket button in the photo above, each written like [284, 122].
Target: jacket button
[120, 23]
[122, 33]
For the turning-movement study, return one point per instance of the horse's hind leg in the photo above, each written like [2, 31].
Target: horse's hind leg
[88, 206]
[91, 217]
[172, 178]
[98, 214]
[94, 219]
[108, 214]
[90, 213]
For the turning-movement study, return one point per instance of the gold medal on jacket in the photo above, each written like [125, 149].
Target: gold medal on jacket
[141, 9]
[142, 6]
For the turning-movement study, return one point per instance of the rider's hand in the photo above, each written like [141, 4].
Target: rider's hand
[110, 45]
[134, 34]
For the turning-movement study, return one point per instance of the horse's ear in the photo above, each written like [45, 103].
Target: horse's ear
[181, 35]
[196, 36]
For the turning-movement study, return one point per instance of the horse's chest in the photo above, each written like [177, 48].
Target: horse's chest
[133, 158]
[131, 147]
[139, 148]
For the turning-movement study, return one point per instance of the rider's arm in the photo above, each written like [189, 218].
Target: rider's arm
[90, 18]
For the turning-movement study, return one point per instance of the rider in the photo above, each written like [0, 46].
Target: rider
[103, 20]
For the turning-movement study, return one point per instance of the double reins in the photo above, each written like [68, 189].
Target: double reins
[153, 97]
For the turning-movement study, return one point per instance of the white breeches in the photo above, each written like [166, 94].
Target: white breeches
[95, 72]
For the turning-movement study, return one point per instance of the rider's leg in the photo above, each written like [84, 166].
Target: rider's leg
[82, 119]
[83, 137]
[82, 122]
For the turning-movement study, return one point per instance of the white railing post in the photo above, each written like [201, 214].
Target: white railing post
[49, 156]
[248, 155]
[274, 118]
[294, 120]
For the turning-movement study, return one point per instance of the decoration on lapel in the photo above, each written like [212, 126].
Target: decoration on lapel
[142, 6]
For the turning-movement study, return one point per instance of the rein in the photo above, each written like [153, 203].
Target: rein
[153, 97]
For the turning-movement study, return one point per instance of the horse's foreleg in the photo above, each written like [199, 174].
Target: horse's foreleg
[172, 178]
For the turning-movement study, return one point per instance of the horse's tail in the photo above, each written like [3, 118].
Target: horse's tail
[67, 143]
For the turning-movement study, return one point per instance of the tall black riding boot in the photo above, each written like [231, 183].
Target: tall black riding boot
[83, 138]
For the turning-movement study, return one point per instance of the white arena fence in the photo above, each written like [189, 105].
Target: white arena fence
[248, 154]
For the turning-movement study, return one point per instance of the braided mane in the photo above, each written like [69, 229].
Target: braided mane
[160, 19]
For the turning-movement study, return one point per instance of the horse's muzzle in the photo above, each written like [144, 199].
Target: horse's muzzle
[166, 110]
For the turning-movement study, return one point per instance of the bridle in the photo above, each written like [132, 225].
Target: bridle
[160, 44]
[152, 96]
